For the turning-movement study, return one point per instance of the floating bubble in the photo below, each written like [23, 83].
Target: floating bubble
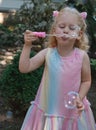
[69, 99]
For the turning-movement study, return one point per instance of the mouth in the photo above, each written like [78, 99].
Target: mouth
[65, 36]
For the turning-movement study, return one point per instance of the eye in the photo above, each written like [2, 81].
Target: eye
[61, 26]
[74, 27]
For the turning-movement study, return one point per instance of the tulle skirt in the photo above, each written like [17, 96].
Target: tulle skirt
[36, 119]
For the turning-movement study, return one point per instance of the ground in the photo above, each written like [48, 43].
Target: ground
[14, 123]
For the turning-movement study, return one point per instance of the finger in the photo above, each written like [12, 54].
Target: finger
[80, 105]
[30, 34]
[80, 109]
[27, 31]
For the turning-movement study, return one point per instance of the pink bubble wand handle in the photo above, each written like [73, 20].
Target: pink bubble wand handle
[40, 34]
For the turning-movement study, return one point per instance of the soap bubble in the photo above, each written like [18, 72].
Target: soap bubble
[69, 99]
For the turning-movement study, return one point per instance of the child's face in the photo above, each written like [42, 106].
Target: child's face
[67, 24]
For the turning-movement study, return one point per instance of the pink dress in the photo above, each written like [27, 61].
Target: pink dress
[48, 112]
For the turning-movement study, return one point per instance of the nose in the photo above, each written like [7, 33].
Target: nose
[66, 29]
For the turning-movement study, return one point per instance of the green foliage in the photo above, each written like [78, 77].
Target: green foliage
[19, 89]
[93, 68]
[91, 22]
[7, 37]
[34, 16]
[93, 64]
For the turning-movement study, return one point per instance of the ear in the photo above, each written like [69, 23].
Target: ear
[53, 31]
[79, 35]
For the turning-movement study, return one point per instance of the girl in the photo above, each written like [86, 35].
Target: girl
[67, 68]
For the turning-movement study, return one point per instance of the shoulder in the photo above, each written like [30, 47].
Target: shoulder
[84, 56]
[79, 51]
[48, 50]
[82, 53]
[45, 52]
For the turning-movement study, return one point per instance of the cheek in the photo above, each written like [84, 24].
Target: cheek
[58, 30]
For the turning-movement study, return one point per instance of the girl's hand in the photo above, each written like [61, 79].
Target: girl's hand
[79, 105]
[29, 37]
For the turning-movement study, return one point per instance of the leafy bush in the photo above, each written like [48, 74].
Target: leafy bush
[93, 68]
[93, 64]
[7, 37]
[19, 89]
[34, 16]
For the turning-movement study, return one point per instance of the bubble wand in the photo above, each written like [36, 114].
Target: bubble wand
[43, 35]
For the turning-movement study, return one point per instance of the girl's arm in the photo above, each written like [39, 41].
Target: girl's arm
[85, 77]
[27, 64]
[85, 83]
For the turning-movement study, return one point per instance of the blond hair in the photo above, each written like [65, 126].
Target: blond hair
[83, 42]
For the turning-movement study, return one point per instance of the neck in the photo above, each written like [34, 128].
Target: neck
[65, 51]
